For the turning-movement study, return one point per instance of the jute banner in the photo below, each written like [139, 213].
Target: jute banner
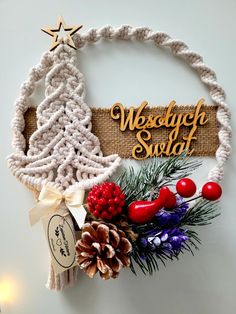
[115, 141]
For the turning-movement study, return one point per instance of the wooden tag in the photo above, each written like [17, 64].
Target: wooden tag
[61, 242]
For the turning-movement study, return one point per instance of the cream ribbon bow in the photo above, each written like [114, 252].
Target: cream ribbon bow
[50, 199]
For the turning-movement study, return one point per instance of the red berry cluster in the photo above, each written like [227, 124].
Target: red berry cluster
[105, 201]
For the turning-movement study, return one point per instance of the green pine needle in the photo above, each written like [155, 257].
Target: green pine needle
[201, 214]
[153, 174]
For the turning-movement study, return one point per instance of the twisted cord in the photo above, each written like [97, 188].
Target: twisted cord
[179, 48]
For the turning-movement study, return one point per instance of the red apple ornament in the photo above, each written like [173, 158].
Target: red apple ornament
[144, 211]
[211, 191]
[186, 187]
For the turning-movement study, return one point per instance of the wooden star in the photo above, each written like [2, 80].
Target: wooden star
[55, 32]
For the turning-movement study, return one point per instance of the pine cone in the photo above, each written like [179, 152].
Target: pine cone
[104, 248]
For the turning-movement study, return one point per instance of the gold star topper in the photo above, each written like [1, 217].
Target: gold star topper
[62, 34]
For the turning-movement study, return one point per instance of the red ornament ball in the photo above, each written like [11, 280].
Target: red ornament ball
[211, 191]
[186, 187]
[106, 200]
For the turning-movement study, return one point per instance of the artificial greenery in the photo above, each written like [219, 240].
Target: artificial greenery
[153, 174]
[144, 184]
[201, 213]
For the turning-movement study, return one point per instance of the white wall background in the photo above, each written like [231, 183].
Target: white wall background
[204, 284]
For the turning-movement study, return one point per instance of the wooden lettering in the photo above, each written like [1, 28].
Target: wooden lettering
[134, 119]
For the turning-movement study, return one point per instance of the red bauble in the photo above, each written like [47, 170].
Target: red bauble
[211, 191]
[186, 187]
[106, 200]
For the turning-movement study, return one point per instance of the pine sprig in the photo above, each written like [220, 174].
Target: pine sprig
[149, 261]
[145, 183]
[201, 214]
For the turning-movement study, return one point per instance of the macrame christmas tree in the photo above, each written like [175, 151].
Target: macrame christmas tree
[63, 150]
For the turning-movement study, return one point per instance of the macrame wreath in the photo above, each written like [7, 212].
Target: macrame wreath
[145, 217]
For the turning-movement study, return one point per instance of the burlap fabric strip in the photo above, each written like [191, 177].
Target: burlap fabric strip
[113, 141]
